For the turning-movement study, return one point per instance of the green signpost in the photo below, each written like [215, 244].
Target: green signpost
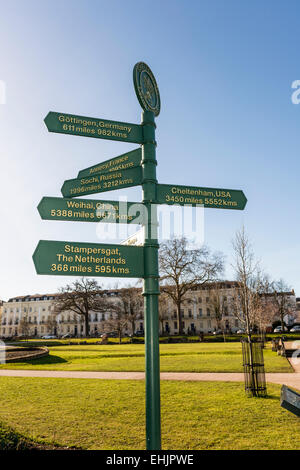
[123, 162]
[137, 167]
[90, 210]
[101, 182]
[208, 197]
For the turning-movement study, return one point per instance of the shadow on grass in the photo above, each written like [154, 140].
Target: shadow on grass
[44, 360]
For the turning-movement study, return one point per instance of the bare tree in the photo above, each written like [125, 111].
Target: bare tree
[51, 324]
[24, 327]
[247, 299]
[247, 302]
[81, 297]
[131, 303]
[163, 309]
[281, 299]
[265, 314]
[219, 306]
[182, 269]
[117, 321]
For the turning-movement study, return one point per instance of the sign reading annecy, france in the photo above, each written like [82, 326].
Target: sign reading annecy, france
[102, 182]
[208, 197]
[88, 259]
[90, 210]
[122, 162]
[93, 127]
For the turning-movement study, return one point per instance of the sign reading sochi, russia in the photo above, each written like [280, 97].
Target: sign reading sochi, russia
[88, 259]
[102, 182]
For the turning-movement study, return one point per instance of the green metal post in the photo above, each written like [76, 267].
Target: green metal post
[151, 285]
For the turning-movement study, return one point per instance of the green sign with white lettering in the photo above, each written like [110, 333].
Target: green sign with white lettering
[207, 197]
[93, 127]
[61, 258]
[123, 162]
[90, 210]
[102, 182]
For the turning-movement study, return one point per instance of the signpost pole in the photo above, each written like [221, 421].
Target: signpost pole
[151, 285]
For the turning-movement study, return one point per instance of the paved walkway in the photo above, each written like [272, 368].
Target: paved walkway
[292, 380]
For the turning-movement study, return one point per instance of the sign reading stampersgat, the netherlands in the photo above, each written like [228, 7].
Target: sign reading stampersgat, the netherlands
[208, 197]
[93, 127]
[88, 259]
[122, 162]
[102, 182]
[90, 210]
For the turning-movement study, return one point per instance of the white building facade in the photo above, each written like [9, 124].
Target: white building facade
[37, 312]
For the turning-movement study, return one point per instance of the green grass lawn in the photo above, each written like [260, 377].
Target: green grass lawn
[100, 414]
[195, 357]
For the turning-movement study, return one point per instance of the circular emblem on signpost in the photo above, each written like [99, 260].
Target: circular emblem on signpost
[146, 88]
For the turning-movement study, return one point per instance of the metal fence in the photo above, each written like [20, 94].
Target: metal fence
[254, 369]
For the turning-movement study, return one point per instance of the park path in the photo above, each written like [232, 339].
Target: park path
[292, 380]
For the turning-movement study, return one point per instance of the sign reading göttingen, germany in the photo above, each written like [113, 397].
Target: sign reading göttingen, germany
[93, 127]
[135, 168]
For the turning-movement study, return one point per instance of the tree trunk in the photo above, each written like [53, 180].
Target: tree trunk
[120, 337]
[253, 377]
[224, 336]
[282, 322]
[180, 327]
[87, 325]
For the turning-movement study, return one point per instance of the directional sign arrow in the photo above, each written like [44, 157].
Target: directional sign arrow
[61, 258]
[102, 182]
[94, 127]
[124, 161]
[91, 210]
[207, 197]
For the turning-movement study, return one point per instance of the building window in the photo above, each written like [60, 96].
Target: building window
[175, 325]
[200, 312]
[208, 312]
[190, 313]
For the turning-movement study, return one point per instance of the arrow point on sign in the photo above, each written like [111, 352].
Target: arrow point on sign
[34, 256]
[39, 207]
[63, 190]
[47, 119]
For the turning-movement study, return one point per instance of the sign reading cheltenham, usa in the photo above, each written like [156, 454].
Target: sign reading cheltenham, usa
[94, 127]
[208, 197]
[102, 182]
[88, 259]
[90, 210]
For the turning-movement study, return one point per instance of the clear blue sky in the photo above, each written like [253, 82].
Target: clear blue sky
[224, 70]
